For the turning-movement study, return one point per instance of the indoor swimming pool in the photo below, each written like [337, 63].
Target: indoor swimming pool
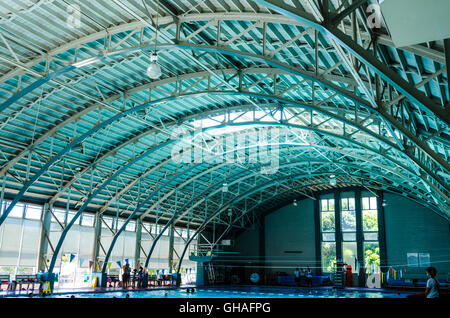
[242, 292]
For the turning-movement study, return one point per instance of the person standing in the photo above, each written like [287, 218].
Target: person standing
[308, 277]
[124, 276]
[432, 288]
[297, 276]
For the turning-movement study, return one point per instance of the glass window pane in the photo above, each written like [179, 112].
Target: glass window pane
[373, 203]
[328, 256]
[370, 221]
[331, 205]
[108, 220]
[70, 216]
[131, 226]
[365, 204]
[348, 221]
[324, 205]
[328, 221]
[33, 212]
[372, 256]
[328, 236]
[351, 203]
[371, 236]
[60, 215]
[87, 219]
[17, 211]
[349, 253]
[344, 204]
[120, 223]
[349, 236]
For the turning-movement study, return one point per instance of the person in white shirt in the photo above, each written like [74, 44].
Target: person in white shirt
[432, 289]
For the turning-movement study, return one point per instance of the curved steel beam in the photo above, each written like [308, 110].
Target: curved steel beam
[149, 85]
[98, 127]
[130, 217]
[201, 198]
[310, 75]
[195, 17]
[388, 75]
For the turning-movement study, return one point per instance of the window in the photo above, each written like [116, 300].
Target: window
[131, 226]
[60, 216]
[370, 234]
[87, 219]
[327, 226]
[348, 215]
[146, 227]
[120, 223]
[70, 216]
[33, 212]
[109, 222]
[349, 253]
[17, 211]
[328, 256]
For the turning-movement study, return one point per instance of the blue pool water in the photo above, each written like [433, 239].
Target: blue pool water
[242, 292]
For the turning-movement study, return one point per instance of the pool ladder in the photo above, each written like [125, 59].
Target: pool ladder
[211, 273]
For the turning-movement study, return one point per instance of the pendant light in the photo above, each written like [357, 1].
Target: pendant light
[154, 70]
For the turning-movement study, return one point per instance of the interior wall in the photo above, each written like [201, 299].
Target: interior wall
[290, 238]
[412, 228]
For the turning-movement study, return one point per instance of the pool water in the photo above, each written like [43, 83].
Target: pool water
[242, 292]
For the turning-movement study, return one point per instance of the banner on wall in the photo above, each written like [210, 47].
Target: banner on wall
[119, 263]
[126, 261]
[72, 257]
[90, 264]
[81, 261]
[109, 265]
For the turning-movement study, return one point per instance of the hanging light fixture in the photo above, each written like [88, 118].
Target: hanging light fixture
[225, 187]
[332, 180]
[154, 70]
[295, 202]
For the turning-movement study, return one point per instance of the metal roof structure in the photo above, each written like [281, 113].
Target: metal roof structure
[82, 125]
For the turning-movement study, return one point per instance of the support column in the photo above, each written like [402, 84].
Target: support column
[44, 242]
[96, 250]
[337, 210]
[382, 232]
[97, 236]
[171, 239]
[262, 248]
[137, 251]
[359, 239]
[317, 234]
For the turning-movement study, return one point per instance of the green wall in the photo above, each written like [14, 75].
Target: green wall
[290, 228]
[412, 228]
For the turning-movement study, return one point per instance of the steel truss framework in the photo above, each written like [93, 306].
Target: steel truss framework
[83, 127]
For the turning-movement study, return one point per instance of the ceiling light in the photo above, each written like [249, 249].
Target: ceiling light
[294, 203]
[333, 180]
[154, 70]
[225, 187]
